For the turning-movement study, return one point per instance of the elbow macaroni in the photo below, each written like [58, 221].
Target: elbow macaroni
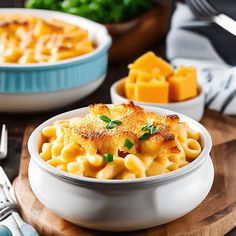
[26, 39]
[62, 149]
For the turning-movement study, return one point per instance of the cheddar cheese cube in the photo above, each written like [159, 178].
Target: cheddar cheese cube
[151, 91]
[129, 90]
[149, 62]
[183, 84]
[185, 70]
[150, 77]
[132, 77]
[143, 76]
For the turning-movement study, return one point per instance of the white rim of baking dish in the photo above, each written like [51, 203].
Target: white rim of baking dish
[113, 91]
[73, 19]
[87, 181]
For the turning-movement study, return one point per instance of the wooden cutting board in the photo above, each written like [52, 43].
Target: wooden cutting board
[215, 216]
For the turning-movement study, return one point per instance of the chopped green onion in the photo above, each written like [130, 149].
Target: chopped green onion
[117, 122]
[150, 129]
[147, 126]
[153, 129]
[144, 136]
[105, 118]
[108, 157]
[128, 143]
[111, 125]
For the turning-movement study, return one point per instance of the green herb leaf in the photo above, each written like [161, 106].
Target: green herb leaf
[44, 4]
[153, 129]
[117, 122]
[147, 126]
[129, 144]
[108, 157]
[150, 128]
[111, 125]
[103, 11]
[144, 136]
[105, 118]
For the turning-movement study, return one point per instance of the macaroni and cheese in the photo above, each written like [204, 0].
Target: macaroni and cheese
[119, 142]
[28, 39]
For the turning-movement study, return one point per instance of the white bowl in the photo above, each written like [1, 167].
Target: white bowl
[193, 108]
[121, 205]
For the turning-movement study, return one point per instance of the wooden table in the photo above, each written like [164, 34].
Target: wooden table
[16, 123]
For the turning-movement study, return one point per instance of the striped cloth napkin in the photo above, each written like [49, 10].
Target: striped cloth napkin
[194, 42]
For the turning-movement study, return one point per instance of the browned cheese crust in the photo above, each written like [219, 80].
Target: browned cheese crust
[93, 135]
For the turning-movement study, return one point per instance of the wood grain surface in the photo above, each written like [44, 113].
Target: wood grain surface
[215, 216]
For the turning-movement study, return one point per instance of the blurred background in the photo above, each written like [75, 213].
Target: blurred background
[135, 25]
[11, 3]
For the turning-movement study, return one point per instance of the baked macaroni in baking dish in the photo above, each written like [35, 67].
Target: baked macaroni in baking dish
[28, 39]
[119, 142]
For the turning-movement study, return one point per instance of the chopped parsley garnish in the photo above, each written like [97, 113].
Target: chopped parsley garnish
[111, 123]
[144, 136]
[150, 129]
[153, 129]
[108, 157]
[147, 126]
[105, 118]
[117, 122]
[129, 144]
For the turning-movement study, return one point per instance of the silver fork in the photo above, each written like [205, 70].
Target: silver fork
[10, 201]
[6, 206]
[203, 9]
[3, 142]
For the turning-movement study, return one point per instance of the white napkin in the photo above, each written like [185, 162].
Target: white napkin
[184, 47]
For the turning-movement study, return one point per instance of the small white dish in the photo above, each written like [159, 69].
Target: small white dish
[121, 205]
[193, 108]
